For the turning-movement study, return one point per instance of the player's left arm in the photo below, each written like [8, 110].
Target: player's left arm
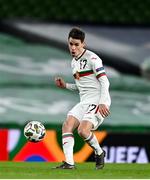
[100, 73]
[104, 97]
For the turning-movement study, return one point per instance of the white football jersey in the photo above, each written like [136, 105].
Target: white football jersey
[90, 78]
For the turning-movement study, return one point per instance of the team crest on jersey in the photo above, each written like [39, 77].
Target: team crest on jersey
[77, 75]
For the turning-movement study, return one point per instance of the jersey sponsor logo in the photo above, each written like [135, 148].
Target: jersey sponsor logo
[93, 58]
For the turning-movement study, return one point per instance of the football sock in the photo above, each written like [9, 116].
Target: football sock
[93, 142]
[68, 144]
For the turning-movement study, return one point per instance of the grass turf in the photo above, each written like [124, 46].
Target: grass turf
[42, 170]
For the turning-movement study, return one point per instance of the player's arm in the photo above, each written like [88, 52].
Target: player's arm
[105, 100]
[62, 84]
[104, 97]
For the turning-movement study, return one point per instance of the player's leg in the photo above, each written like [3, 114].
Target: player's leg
[90, 121]
[70, 124]
[85, 131]
[68, 127]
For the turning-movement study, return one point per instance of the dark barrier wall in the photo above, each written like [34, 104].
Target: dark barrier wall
[133, 12]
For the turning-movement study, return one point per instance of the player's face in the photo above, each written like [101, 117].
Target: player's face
[76, 47]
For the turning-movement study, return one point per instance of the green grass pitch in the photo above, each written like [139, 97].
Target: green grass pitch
[42, 170]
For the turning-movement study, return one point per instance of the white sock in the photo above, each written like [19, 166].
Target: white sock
[68, 144]
[93, 142]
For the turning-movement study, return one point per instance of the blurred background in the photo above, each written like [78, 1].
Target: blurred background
[33, 50]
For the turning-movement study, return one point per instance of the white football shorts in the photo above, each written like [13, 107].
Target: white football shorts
[88, 112]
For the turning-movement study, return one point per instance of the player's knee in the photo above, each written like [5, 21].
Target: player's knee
[67, 127]
[83, 132]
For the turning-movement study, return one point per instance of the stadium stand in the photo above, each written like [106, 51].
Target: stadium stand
[99, 12]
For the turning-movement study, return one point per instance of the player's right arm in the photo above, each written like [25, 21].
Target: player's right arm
[62, 84]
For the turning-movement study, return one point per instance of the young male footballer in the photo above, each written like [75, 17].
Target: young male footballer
[93, 86]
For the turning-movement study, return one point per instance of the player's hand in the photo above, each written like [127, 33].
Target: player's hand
[104, 110]
[60, 82]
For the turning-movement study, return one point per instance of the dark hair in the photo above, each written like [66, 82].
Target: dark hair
[77, 33]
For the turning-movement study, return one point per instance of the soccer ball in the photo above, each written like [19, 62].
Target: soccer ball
[34, 131]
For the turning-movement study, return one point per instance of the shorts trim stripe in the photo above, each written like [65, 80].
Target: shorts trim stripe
[97, 109]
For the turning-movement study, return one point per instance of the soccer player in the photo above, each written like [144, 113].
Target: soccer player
[93, 86]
